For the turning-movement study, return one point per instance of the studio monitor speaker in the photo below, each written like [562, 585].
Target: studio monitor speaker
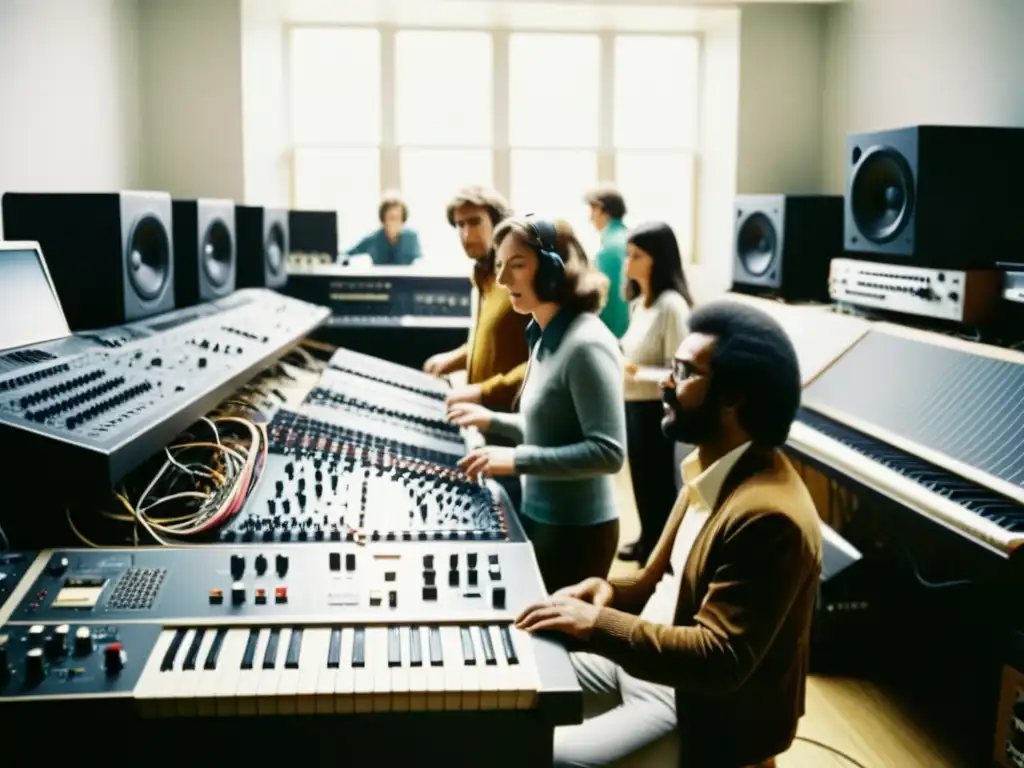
[111, 254]
[262, 236]
[314, 233]
[945, 197]
[783, 244]
[204, 250]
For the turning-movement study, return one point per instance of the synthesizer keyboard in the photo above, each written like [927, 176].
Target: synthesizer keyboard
[104, 411]
[381, 371]
[140, 635]
[940, 432]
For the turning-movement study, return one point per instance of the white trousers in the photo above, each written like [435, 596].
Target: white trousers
[629, 723]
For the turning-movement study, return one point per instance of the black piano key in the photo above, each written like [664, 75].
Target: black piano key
[434, 637]
[488, 647]
[468, 652]
[249, 657]
[172, 650]
[334, 650]
[359, 648]
[394, 647]
[510, 649]
[214, 653]
[270, 655]
[193, 650]
[415, 647]
[291, 659]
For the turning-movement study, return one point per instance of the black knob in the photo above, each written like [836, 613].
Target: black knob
[57, 565]
[83, 641]
[5, 669]
[471, 559]
[428, 562]
[498, 598]
[35, 665]
[281, 563]
[261, 565]
[334, 561]
[453, 561]
[429, 577]
[113, 658]
[350, 561]
[57, 643]
[237, 566]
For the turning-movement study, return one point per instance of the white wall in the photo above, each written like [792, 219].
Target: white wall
[69, 89]
[890, 63]
[191, 97]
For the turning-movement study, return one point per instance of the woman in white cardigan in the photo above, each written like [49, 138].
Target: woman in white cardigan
[660, 306]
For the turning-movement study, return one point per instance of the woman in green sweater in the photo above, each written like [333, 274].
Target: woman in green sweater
[570, 431]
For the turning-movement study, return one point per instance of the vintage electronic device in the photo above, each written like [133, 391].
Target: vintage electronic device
[1013, 286]
[783, 243]
[960, 296]
[401, 658]
[937, 196]
[313, 236]
[111, 255]
[204, 250]
[262, 246]
[383, 296]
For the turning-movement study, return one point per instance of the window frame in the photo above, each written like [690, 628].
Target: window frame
[500, 146]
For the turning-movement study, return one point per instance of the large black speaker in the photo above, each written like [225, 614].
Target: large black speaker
[204, 250]
[262, 236]
[784, 243]
[313, 233]
[111, 254]
[945, 197]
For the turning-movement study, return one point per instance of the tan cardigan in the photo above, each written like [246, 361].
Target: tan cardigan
[496, 351]
[737, 654]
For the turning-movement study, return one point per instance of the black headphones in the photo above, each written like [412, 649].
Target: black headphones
[547, 282]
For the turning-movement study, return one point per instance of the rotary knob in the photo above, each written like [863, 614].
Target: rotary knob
[113, 658]
[83, 641]
[57, 643]
[35, 665]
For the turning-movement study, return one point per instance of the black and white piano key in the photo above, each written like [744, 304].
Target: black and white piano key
[238, 671]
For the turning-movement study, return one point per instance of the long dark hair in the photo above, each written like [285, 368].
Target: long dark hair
[656, 239]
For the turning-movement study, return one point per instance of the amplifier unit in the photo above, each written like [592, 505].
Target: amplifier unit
[960, 296]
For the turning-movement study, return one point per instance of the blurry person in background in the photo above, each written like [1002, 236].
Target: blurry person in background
[607, 210]
[659, 308]
[393, 244]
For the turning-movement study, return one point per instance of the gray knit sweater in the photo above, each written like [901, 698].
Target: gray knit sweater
[571, 426]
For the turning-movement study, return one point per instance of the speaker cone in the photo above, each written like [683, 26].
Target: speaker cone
[149, 257]
[216, 252]
[275, 249]
[756, 244]
[881, 194]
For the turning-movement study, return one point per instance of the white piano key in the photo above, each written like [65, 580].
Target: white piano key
[266, 687]
[362, 677]
[417, 678]
[288, 679]
[527, 678]
[452, 649]
[470, 672]
[147, 689]
[377, 638]
[169, 680]
[206, 690]
[313, 660]
[401, 696]
[249, 679]
[508, 676]
[229, 667]
[188, 681]
[345, 678]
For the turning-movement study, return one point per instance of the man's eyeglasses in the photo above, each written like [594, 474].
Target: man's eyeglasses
[682, 370]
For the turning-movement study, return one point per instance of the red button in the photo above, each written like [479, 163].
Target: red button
[281, 594]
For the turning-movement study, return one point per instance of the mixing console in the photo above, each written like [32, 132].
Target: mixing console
[102, 412]
[324, 482]
[12, 567]
[289, 632]
[384, 372]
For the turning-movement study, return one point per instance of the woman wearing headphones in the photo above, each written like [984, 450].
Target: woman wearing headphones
[570, 429]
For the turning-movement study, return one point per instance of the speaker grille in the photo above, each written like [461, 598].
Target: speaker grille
[757, 244]
[275, 249]
[149, 257]
[216, 254]
[882, 194]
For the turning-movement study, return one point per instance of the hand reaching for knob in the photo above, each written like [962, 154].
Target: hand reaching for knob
[470, 415]
[489, 461]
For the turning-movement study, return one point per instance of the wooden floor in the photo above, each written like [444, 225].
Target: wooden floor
[856, 717]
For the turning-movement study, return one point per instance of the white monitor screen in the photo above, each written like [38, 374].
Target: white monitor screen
[30, 311]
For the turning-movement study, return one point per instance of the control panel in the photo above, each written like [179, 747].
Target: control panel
[105, 411]
[958, 296]
[13, 566]
[380, 292]
[393, 375]
[280, 583]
